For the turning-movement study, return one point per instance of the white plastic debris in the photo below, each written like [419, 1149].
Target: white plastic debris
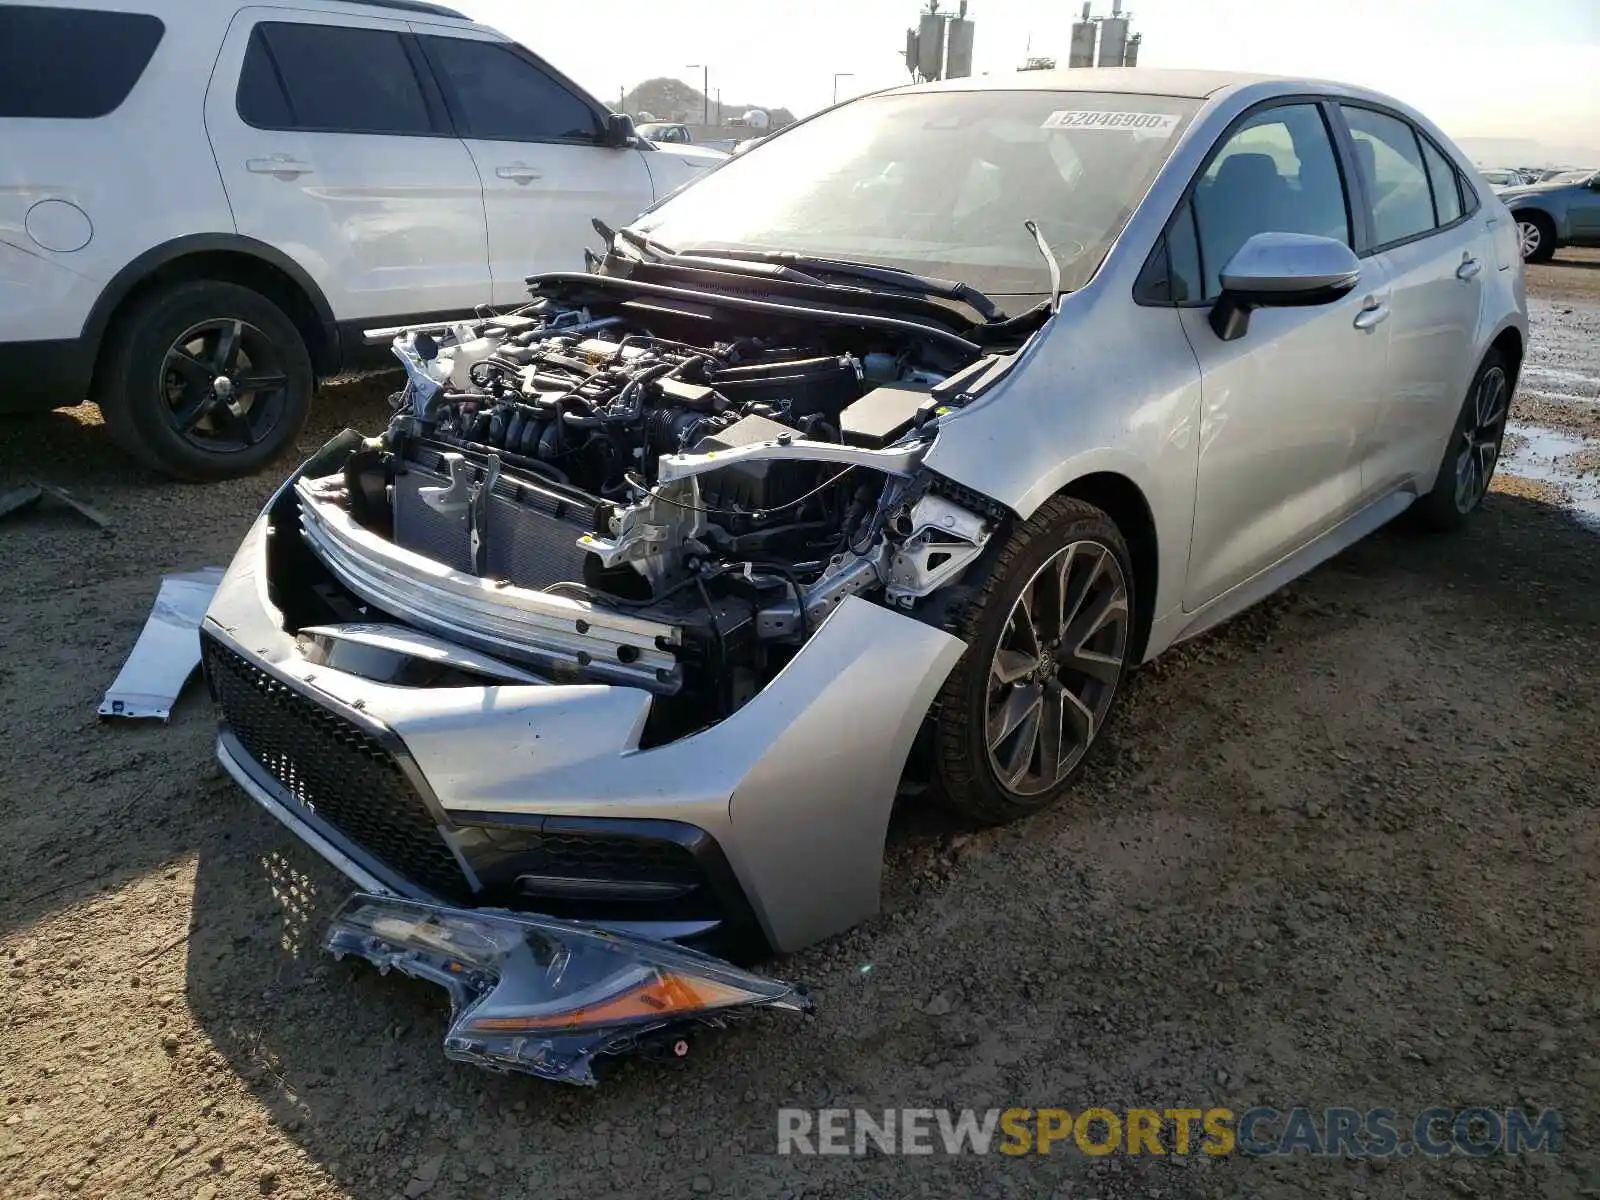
[168, 649]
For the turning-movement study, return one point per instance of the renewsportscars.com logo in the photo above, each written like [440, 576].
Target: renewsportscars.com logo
[1257, 1132]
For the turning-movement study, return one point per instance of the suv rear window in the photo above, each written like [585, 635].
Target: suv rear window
[332, 79]
[71, 63]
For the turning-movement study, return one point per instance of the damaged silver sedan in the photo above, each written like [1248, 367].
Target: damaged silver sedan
[869, 464]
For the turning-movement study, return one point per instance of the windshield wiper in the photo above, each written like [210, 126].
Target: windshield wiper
[1050, 259]
[944, 289]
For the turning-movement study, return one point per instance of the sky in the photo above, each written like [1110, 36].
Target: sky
[1479, 68]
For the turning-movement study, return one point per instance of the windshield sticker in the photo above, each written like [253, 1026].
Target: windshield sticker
[1145, 123]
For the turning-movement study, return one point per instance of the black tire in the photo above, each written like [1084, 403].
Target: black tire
[1543, 249]
[1479, 431]
[970, 774]
[152, 387]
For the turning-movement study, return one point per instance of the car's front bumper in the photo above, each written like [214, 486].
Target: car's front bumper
[539, 797]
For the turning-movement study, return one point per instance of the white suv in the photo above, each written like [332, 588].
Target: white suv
[203, 205]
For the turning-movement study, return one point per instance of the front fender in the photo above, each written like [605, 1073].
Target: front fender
[1109, 389]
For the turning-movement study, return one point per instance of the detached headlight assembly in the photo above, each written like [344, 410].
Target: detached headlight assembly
[544, 996]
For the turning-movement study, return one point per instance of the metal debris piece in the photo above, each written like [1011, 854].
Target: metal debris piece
[29, 494]
[168, 649]
[19, 498]
[72, 502]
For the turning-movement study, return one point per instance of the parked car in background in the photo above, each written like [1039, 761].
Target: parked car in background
[203, 205]
[675, 136]
[666, 133]
[1564, 211]
[1501, 177]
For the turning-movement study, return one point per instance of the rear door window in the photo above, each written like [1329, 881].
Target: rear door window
[331, 79]
[71, 63]
[1390, 161]
[497, 95]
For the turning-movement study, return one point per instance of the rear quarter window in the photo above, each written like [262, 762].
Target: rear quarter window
[71, 63]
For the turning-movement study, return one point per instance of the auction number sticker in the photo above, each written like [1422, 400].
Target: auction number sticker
[1125, 122]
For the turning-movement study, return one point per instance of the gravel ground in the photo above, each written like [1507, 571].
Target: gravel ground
[1341, 852]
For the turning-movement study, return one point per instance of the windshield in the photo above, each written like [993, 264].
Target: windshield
[941, 183]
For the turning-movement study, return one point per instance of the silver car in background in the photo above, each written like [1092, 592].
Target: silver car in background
[883, 452]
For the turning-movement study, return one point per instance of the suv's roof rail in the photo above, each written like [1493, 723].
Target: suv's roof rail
[415, 6]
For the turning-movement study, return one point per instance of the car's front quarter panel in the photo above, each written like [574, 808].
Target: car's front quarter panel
[675, 167]
[1109, 386]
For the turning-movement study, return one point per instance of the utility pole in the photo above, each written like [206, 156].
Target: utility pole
[838, 75]
[705, 90]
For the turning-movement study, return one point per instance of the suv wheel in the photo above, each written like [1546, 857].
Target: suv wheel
[1048, 630]
[205, 380]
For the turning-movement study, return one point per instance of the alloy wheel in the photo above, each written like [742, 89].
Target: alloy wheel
[1529, 237]
[1483, 430]
[1055, 671]
[224, 386]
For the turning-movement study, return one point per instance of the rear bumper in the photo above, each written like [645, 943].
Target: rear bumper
[514, 796]
[38, 376]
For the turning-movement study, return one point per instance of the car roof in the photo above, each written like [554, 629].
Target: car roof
[415, 8]
[1147, 81]
[1150, 81]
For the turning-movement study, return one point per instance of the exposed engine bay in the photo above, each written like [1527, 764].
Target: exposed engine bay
[602, 493]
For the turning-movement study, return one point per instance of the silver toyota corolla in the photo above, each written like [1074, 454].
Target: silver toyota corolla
[869, 465]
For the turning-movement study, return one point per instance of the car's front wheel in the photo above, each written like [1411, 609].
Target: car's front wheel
[1049, 631]
[1536, 237]
[205, 380]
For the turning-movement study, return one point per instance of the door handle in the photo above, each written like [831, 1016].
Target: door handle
[280, 166]
[1468, 269]
[518, 172]
[1374, 312]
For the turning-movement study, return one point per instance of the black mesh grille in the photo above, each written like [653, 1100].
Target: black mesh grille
[607, 856]
[336, 769]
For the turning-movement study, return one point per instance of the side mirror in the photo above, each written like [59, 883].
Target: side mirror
[620, 133]
[1281, 270]
[1594, 183]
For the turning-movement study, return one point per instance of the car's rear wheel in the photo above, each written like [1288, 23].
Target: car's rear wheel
[1536, 237]
[1049, 631]
[1473, 451]
[205, 380]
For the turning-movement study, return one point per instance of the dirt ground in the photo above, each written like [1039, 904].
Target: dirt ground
[1345, 851]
